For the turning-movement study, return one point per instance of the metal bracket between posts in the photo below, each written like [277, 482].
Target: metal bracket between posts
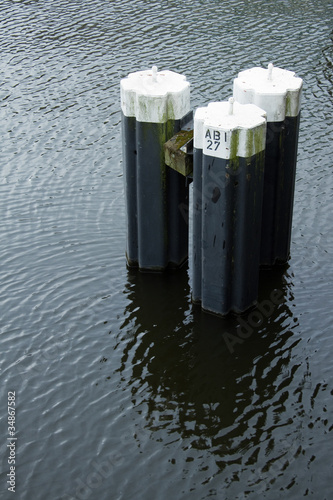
[178, 153]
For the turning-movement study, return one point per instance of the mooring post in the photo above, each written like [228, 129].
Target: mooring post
[154, 106]
[278, 92]
[230, 169]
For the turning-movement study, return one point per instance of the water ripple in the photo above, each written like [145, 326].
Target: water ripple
[122, 386]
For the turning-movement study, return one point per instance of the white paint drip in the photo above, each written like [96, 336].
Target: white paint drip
[231, 105]
[277, 91]
[199, 120]
[155, 97]
[154, 70]
[270, 71]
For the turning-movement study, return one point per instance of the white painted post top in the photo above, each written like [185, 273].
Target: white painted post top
[277, 91]
[230, 129]
[155, 96]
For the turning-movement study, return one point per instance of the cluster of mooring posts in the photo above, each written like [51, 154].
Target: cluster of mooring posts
[241, 155]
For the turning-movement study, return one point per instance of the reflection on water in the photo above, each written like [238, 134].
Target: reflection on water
[187, 385]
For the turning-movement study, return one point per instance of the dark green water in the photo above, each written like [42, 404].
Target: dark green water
[124, 390]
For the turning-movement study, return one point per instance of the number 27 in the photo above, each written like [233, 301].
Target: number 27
[211, 143]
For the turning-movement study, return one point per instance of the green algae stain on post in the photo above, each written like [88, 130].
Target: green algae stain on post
[288, 106]
[234, 149]
[259, 141]
[254, 141]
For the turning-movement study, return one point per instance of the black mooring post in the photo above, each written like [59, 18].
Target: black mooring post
[233, 139]
[153, 107]
[278, 92]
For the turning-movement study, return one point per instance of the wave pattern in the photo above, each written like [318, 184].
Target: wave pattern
[124, 390]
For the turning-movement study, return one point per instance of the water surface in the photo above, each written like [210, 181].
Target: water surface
[124, 390]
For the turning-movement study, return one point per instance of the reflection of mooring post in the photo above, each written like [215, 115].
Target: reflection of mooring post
[154, 107]
[232, 139]
[278, 92]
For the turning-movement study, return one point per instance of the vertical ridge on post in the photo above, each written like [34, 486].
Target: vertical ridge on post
[178, 199]
[233, 143]
[130, 187]
[285, 191]
[278, 92]
[178, 203]
[151, 202]
[198, 197]
[248, 196]
[157, 233]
